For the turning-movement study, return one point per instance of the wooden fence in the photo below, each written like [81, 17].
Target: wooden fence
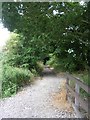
[78, 100]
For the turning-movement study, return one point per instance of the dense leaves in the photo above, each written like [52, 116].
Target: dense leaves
[13, 78]
[57, 32]
[58, 28]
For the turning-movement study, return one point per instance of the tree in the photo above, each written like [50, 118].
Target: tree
[58, 28]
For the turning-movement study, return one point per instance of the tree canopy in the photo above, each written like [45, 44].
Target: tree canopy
[59, 28]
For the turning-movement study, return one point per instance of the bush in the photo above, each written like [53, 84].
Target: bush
[34, 72]
[13, 79]
[85, 78]
[59, 65]
[83, 75]
[62, 64]
[39, 67]
[52, 61]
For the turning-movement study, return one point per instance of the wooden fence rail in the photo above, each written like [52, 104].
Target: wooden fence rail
[79, 101]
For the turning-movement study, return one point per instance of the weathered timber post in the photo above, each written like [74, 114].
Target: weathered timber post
[77, 89]
[67, 83]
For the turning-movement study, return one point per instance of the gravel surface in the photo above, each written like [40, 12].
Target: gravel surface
[34, 101]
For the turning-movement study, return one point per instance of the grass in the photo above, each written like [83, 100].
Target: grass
[13, 79]
[83, 75]
[0, 78]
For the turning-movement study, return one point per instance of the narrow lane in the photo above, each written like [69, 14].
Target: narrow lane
[35, 101]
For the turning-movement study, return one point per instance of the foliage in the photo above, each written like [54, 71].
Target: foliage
[18, 61]
[0, 81]
[13, 78]
[64, 32]
[40, 29]
[39, 67]
[84, 76]
[13, 50]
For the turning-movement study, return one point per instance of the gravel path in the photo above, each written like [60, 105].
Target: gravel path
[34, 101]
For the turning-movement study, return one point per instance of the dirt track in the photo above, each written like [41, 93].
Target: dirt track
[36, 100]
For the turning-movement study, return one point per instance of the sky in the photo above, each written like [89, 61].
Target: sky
[4, 35]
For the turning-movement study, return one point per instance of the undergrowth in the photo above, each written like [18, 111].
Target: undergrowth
[13, 79]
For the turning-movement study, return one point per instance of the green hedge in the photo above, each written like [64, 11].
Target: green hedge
[13, 79]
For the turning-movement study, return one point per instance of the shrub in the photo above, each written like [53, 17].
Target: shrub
[39, 67]
[85, 78]
[13, 79]
[83, 75]
[62, 64]
[34, 72]
[52, 61]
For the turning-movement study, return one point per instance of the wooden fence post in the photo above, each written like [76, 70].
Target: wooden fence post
[67, 83]
[77, 89]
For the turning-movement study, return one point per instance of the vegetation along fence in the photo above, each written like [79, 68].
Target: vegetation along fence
[79, 102]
